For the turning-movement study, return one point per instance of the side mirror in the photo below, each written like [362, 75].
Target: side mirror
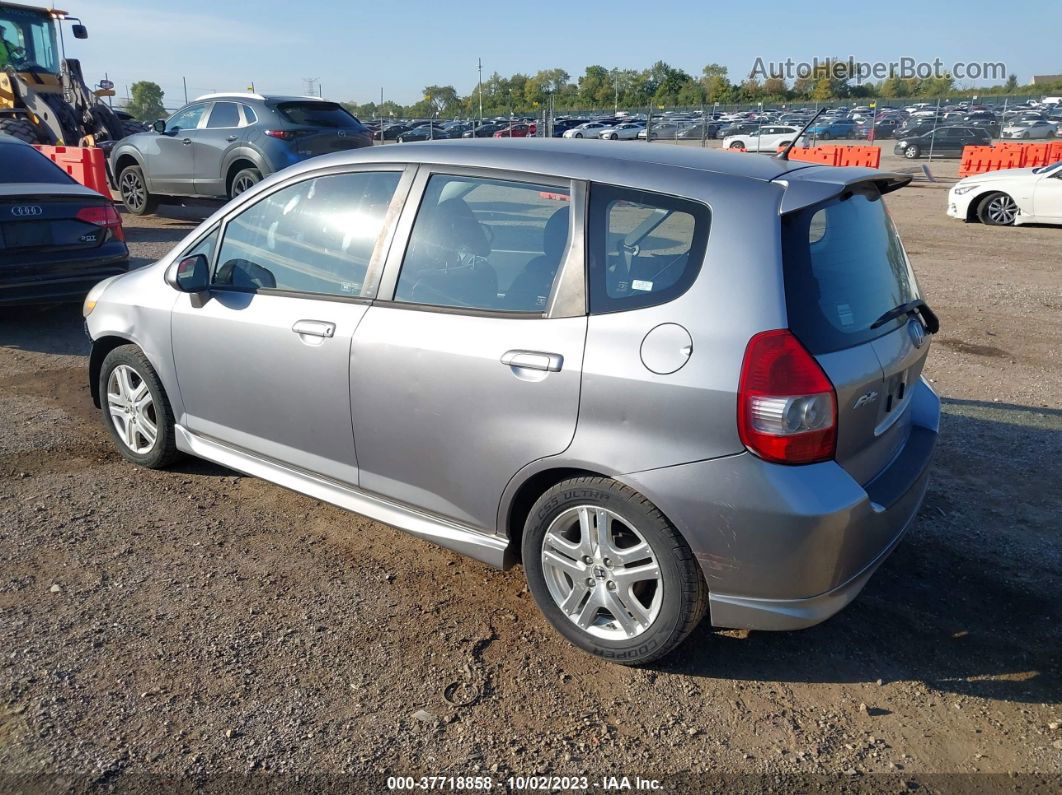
[159, 126]
[80, 31]
[189, 275]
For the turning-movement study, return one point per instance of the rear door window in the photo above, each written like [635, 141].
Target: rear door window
[644, 248]
[844, 268]
[224, 114]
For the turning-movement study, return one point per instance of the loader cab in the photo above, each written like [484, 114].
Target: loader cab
[29, 40]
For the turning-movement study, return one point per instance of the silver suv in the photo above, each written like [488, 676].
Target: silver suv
[667, 380]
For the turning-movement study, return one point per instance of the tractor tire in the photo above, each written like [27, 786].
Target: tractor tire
[19, 128]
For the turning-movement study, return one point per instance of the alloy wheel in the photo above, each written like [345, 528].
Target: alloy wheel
[602, 573]
[132, 189]
[1002, 209]
[132, 409]
[242, 183]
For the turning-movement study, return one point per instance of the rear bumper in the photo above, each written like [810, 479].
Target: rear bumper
[58, 280]
[787, 547]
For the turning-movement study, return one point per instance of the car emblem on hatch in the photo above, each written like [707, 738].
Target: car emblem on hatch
[917, 332]
[27, 210]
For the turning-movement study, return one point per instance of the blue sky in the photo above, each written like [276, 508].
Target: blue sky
[357, 48]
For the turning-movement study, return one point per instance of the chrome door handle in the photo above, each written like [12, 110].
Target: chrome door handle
[533, 360]
[314, 328]
[186, 141]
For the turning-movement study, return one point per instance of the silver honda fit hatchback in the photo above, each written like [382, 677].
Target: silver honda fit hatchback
[666, 380]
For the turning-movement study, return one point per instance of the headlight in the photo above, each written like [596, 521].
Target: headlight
[961, 189]
[901, 143]
[94, 296]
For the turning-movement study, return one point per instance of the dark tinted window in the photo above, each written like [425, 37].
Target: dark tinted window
[485, 244]
[644, 248]
[317, 114]
[844, 268]
[249, 115]
[224, 114]
[316, 236]
[23, 163]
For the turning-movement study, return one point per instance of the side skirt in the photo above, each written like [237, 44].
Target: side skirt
[483, 547]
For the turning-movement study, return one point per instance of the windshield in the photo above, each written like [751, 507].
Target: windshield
[27, 41]
[317, 114]
[844, 268]
[20, 163]
[1048, 167]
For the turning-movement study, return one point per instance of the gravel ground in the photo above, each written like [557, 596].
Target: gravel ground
[198, 628]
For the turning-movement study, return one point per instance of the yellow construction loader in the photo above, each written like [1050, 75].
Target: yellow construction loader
[43, 95]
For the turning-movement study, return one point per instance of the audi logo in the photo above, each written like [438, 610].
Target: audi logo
[27, 211]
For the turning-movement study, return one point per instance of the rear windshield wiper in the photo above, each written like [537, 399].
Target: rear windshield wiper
[918, 307]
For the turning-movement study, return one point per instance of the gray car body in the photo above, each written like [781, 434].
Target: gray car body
[406, 441]
[203, 161]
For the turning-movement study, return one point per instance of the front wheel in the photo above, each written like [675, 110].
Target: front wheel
[997, 209]
[610, 572]
[613, 137]
[135, 195]
[737, 146]
[135, 408]
[244, 181]
[825, 136]
[911, 152]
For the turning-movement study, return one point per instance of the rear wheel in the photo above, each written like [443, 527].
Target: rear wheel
[19, 128]
[610, 572]
[997, 209]
[135, 196]
[738, 146]
[244, 181]
[912, 152]
[614, 137]
[825, 136]
[135, 408]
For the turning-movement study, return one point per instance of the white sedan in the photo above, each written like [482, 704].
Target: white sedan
[1028, 128]
[1012, 196]
[623, 132]
[590, 129]
[767, 139]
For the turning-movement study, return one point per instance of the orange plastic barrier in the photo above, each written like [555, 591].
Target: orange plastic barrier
[980, 159]
[86, 164]
[829, 155]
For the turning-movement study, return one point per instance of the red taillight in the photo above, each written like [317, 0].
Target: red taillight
[283, 135]
[105, 216]
[787, 407]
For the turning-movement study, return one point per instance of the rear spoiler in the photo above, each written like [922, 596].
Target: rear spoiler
[814, 184]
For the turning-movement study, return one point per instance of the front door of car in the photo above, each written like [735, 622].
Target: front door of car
[171, 169]
[220, 135]
[1047, 195]
[263, 358]
[470, 373]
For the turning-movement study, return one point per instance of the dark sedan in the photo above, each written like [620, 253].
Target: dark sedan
[57, 238]
[942, 142]
[423, 132]
[485, 130]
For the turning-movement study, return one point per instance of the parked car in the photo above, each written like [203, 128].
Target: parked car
[485, 130]
[57, 238]
[943, 142]
[517, 130]
[223, 144]
[883, 128]
[560, 126]
[1028, 128]
[825, 130]
[589, 129]
[423, 132]
[697, 130]
[391, 132]
[625, 131]
[766, 139]
[649, 445]
[667, 131]
[1012, 196]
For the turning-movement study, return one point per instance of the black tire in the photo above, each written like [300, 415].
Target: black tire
[992, 210]
[135, 196]
[912, 152]
[244, 181]
[19, 128]
[737, 146]
[163, 451]
[824, 136]
[613, 137]
[684, 595]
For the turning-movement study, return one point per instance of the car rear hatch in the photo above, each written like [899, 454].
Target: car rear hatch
[318, 128]
[853, 302]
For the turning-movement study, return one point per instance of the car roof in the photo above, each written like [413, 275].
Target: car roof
[590, 160]
[234, 95]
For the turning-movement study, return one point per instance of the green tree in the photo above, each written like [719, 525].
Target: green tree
[441, 99]
[145, 101]
[1011, 84]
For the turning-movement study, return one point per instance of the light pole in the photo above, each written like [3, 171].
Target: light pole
[479, 64]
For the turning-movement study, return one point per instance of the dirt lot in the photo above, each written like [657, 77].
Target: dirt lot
[183, 626]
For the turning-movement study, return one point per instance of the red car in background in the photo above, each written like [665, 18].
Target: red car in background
[518, 129]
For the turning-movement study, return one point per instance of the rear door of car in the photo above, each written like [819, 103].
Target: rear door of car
[222, 133]
[845, 269]
[467, 366]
